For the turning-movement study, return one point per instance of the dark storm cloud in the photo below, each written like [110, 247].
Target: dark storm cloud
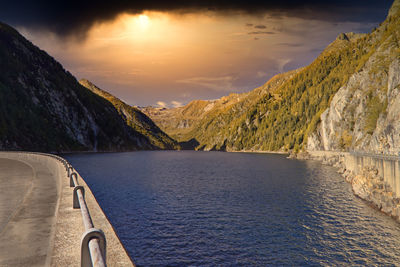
[66, 17]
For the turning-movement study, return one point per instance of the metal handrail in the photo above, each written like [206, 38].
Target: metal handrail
[377, 156]
[93, 243]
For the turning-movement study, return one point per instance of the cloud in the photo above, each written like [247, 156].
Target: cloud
[76, 17]
[223, 83]
[261, 32]
[278, 28]
[282, 63]
[291, 44]
[260, 27]
[249, 25]
[316, 50]
[176, 104]
[261, 74]
[161, 104]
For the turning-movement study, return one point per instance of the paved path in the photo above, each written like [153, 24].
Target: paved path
[38, 226]
[28, 205]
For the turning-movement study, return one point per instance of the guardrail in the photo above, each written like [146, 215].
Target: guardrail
[93, 242]
[376, 156]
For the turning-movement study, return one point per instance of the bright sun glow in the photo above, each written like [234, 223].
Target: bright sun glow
[143, 21]
[179, 57]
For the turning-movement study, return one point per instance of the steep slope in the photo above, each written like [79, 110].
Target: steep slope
[365, 113]
[177, 122]
[135, 119]
[44, 108]
[294, 109]
[282, 121]
[185, 123]
[281, 117]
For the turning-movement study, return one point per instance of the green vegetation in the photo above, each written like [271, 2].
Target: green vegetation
[374, 108]
[44, 108]
[346, 140]
[282, 118]
[135, 119]
[281, 115]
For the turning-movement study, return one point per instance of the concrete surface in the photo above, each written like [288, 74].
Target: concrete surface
[28, 206]
[70, 227]
[38, 226]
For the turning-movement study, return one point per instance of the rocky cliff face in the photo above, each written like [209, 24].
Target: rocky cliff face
[44, 108]
[365, 113]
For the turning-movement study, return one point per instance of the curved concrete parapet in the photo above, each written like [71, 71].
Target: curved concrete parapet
[38, 224]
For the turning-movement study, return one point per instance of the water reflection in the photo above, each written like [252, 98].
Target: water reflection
[212, 208]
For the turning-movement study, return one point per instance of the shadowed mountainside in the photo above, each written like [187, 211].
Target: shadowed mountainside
[135, 118]
[44, 108]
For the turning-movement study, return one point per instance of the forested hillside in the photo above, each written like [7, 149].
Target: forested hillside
[282, 117]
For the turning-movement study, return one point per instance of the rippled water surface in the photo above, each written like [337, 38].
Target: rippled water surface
[190, 208]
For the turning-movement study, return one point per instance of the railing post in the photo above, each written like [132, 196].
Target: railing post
[93, 242]
[86, 257]
[71, 179]
[70, 169]
[76, 204]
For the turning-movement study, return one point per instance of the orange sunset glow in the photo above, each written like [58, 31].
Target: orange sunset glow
[200, 133]
[168, 59]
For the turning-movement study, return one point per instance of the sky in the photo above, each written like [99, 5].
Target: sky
[167, 53]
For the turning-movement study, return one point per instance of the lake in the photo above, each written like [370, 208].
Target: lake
[189, 208]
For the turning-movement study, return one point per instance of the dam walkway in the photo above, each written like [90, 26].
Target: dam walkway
[38, 224]
[28, 205]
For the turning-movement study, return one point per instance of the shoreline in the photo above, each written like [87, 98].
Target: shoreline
[368, 181]
[260, 152]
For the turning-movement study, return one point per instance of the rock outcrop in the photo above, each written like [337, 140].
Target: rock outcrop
[365, 113]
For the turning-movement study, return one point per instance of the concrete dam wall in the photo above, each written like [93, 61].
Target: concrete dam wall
[373, 177]
[387, 167]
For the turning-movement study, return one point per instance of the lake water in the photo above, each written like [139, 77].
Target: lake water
[187, 208]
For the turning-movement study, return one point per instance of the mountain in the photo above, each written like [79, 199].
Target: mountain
[302, 109]
[364, 114]
[44, 108]
[136, 119]
[202, 119]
